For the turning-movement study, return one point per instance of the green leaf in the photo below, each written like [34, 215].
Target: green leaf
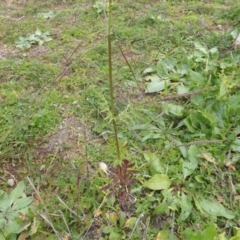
[17, 192]
[154, 161]
[209, 233]
[166, 235]
[201, 48]
[235, 146]
[158, 182]
[16, 227]
[38, 32]
[130, 223]
[114, 235]
[188, 168]
[22, 203]
[2, 223]
[181, 89]
[148, 71]
[216, 209]
[186, 207]
[173, 109]
[161, 69]
[223, 90]
[214, 54]
[4, 202]
[157, 86]
[197, 78]
[151, 136]
[153, 78]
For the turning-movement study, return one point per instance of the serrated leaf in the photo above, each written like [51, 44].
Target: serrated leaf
[158, 182]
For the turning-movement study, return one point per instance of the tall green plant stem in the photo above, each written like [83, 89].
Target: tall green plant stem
[111, 78]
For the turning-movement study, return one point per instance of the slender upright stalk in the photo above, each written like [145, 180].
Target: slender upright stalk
[111, 78]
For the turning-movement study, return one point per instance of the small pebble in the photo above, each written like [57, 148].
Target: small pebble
[10, 182]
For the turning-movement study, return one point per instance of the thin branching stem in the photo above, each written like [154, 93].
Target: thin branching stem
[111, 78]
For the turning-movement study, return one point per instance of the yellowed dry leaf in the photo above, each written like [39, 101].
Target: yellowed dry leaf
[207, 157]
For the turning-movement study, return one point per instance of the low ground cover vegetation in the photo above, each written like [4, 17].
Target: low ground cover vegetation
[175, 68]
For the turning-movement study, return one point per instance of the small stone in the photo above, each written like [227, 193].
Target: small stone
[10, 182]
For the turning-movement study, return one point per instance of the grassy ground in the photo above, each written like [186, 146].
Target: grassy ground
[176, 87]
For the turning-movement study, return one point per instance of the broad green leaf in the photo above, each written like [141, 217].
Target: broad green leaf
[196, 77]
[200, 179]
[166, 235]
[17, 192]
[183, 149]
[173, 109]
[15, 226]
[38, 32]
[188, 167]
[200, 47]
[192, 153]
[130, 223]
[162, 69]
[157, 86]
[216, 209]
[235, 146]
[122, 219]
[181, 89]
[199, 208]
[184, 66]
[5, 202]
[11, 215]
[223, 90]
[186, 207]
[11, 236]
[154, 161]
[209, 233]
[107, 229]
[22, 203]
[148, 71]
[114, 235]
[214, 54]
[153, 78]
[234, 33]
[222, 236]
[2, 222]
[158, 182]
[151, 136]
[236, 232]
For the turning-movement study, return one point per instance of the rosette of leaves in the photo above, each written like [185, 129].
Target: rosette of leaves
[13, 211]
[122, 177]
[37, 38]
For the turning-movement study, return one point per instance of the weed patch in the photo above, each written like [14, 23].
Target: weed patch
[151, 154]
